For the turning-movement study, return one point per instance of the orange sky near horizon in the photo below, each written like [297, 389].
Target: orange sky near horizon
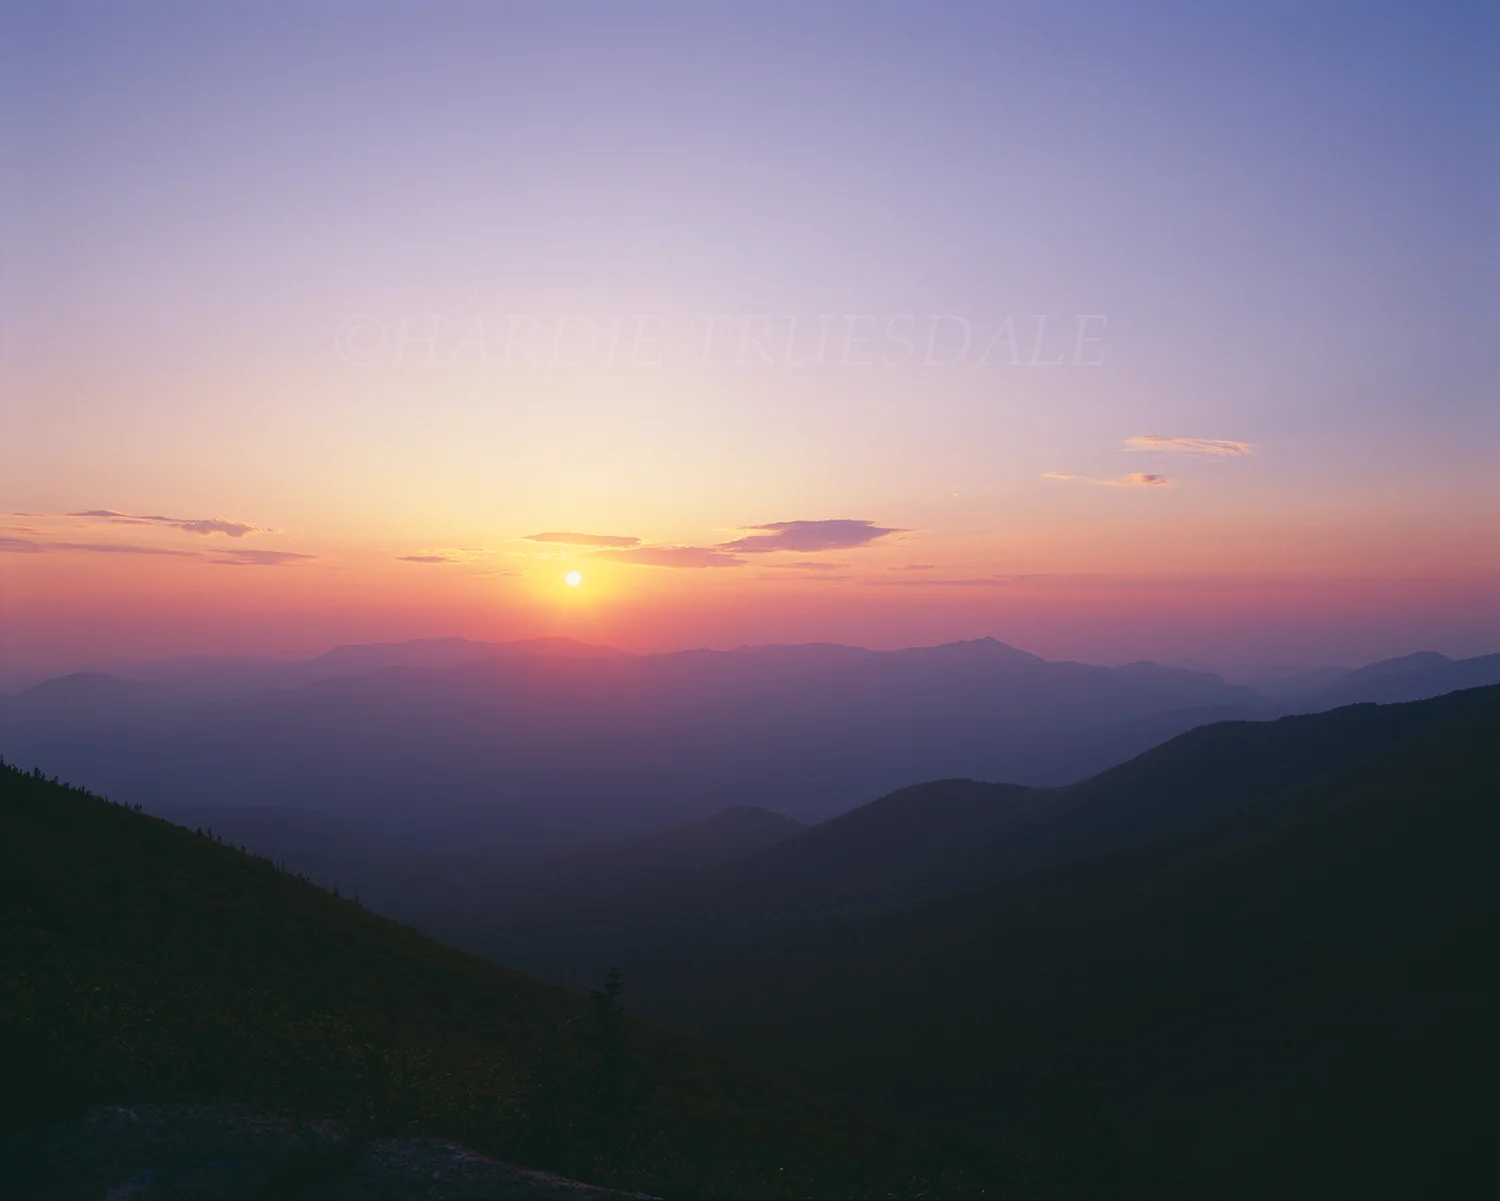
[878, 324]
[1234, 603]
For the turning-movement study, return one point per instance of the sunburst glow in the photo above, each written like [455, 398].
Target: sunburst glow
[573, 579]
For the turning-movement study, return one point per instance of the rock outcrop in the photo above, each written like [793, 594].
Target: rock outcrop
[240, 1153]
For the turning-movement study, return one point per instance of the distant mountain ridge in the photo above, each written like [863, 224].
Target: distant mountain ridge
[233, 675]
[545, 740]
[553, 741]
[223, 680]
[1409, 678]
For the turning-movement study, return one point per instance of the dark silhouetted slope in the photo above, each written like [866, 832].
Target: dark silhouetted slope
[145, 960]
[954, 834]
[1261, 956]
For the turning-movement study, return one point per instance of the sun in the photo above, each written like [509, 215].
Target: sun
[573, 578]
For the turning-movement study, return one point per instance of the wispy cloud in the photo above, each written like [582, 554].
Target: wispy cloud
[1222, 447]
[444, 554]
[672, 556]
[566, 539]
[914, 567]
[235, 557]
[806, 565]
[808, 536]
[1136, 479]
[987, 581]
[804, 536]
[31, 546]
[228, 556]
[192, 525]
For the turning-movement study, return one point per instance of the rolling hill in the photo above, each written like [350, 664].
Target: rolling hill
[1253, 961]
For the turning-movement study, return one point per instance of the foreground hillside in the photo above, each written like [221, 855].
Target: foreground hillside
[1258, 960]
[143, 960]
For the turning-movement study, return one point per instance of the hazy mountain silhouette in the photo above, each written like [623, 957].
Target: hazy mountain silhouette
[1409, 678]
[1280, 683]
[552, 740]
[88, 696]
[201, 677]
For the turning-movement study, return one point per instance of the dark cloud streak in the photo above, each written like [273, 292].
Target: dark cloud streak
[809, 536]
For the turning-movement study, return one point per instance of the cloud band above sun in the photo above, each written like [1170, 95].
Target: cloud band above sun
[800, 537]
[671, 556]
[808, 536]
[444, 554]
[559, 538]
[1136, 479]
[1222, 447]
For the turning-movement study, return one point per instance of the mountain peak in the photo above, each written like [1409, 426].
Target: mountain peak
[987, 648]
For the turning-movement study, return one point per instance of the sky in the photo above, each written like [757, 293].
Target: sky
[1114, 332]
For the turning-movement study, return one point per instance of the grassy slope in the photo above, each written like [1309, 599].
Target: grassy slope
[143, 959]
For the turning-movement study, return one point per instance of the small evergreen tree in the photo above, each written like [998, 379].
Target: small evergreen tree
[612, 1085]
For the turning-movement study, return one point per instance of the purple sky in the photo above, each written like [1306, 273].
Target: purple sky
[1140, 298]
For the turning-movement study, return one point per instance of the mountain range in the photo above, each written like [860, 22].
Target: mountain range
[1256, 959]
[453, 743]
